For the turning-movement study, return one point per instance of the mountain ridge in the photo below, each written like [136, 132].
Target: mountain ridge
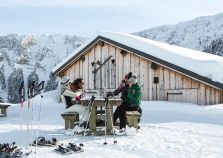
[202, 33]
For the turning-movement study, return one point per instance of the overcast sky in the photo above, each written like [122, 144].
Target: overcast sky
[87, 17]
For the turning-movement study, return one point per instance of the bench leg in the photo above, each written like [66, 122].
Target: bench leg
[136, 122]
[132, 121]
[71, 124]
[129, 121]
[4, 111]
[67, 124]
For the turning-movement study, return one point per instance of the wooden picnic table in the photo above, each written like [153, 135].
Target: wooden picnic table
[99, 101]
[4, 107]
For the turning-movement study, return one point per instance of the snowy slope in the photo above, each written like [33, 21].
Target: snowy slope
[167, 130]
[201, 34]
[204, 64]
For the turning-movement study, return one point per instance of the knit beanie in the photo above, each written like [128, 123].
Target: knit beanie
[65, 80]
[133, 79]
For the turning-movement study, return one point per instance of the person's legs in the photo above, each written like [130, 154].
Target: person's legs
[124, 119]
[117, 112]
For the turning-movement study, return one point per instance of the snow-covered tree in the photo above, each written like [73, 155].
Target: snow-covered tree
[2, 78]
[33, 77]
[215, 47]
[14, 82]
[51, 84]
[1, 100]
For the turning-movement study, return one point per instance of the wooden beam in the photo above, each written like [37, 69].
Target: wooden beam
[94, 71]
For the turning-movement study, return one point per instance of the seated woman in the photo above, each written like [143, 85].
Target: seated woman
[71, 95]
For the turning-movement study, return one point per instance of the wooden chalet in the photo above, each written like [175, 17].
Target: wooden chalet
[165, 72]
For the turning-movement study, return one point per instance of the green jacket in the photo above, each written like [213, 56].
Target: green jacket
[134, 95]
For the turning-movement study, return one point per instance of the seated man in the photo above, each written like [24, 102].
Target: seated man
[123, 89]
[133, 101]
[71, 95]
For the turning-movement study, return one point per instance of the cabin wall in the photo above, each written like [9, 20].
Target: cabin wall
[221, 96]
[171, 86]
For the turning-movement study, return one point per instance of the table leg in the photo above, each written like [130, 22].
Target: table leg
[109, 117]
[92, 120]
[4, 110]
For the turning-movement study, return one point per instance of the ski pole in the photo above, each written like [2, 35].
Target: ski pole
[106, 103]
[41, 86]
[109, 109]
[91, 106]
[27, 126]
[105, 119]
[88, 107]
[21, 90]
[32, 105]
[29, 97]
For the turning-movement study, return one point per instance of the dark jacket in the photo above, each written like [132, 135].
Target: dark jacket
[124, 91]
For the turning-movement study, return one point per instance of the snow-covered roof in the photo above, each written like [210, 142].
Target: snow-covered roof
[199, 63]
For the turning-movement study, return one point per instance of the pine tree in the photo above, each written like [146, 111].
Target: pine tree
[33, 77]
[52, 84]
[14, 83]
[215, 47]
[2, 78]
[1, 100]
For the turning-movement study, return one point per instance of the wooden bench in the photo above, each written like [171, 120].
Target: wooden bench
[4, 107]
[132, 118]
[70, 118]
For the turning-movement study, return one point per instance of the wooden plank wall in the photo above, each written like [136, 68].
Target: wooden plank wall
[111, 74]
[90, 69]
[221, 96]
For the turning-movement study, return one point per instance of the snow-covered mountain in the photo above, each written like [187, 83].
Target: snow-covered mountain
[203, 34]
[32, 53]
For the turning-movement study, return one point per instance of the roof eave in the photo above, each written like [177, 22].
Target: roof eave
[71, 60]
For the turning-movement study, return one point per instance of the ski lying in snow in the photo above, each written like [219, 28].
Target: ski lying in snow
[75, 148]
[69, 149]
[15, 153]
[20, 154]
[63, 150]
[41, 141]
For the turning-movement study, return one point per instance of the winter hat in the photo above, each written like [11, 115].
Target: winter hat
[133, 79]
[65, 80]
[129, 75]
